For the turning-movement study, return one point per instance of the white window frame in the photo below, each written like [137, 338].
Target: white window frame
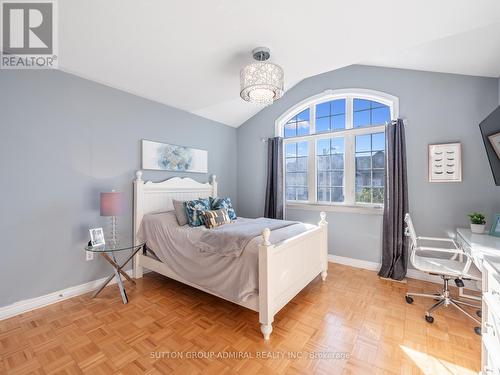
[349, 134]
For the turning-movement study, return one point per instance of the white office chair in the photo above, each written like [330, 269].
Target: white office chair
[448, 269]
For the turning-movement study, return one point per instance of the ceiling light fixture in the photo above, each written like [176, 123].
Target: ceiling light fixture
[262, 81]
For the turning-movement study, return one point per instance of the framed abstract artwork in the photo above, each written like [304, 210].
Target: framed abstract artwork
[445, 162]
[167, 157]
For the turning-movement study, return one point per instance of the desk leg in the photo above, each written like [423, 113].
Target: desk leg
[469, 296]
[461, 290]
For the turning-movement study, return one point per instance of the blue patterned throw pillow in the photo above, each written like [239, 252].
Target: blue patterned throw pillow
[220, 203]
[194, 210]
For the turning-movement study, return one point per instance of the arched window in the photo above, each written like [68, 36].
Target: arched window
[334, 148]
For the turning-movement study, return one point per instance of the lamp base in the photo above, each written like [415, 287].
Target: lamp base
[113, 240]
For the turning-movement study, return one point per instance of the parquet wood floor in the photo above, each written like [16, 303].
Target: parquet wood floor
[353, 312]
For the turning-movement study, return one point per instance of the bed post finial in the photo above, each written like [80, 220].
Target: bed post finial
[323, 221]
[213, 182]
[138, 175]
[266, 233]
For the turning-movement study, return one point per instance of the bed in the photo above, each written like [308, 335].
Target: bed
[285, 260]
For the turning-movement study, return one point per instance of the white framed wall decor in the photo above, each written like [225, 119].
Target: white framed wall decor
[445, 162]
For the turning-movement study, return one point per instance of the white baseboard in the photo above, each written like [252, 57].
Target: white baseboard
[374, 266]
[357, 263]
[48, 299]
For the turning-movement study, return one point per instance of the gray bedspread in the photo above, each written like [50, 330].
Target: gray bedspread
[234, 278]
[230, 239]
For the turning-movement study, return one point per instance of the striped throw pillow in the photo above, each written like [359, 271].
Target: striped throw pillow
[216, 218]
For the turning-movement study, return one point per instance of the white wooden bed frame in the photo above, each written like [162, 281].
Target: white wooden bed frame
[285, 268]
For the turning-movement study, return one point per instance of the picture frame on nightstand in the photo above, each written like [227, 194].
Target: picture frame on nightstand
[97, 237]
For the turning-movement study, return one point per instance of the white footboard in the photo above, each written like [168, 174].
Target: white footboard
[287, 267]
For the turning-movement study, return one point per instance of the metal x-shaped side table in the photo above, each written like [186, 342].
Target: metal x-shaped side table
[105, 251]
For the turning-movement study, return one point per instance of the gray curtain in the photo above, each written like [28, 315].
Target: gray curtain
[274, 189]
[394, 244]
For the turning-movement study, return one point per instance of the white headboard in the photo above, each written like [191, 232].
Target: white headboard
[151, 197]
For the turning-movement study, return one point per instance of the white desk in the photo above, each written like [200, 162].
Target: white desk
[478, 245]
[485, 252]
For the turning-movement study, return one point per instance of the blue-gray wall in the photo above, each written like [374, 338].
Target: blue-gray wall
[439, 108]
[62, 141]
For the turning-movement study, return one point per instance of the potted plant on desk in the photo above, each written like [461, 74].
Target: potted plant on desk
[477, 222]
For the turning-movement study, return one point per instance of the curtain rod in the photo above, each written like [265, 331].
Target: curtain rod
[405, 121]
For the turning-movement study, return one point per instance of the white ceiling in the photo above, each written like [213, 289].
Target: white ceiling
[188, 53]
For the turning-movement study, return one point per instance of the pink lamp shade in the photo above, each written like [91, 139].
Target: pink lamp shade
[112, 204]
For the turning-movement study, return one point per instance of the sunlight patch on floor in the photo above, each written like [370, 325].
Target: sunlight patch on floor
[434, 366]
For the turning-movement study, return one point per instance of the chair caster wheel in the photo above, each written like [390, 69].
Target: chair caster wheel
[429, 319]
[477, 331]
[479, 313]
[409, 300]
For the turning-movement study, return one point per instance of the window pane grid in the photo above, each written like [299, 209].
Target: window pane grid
[370, 171]
[330, 116]
[298, 125]
[369, 113]
[330, 169]
[296, 172]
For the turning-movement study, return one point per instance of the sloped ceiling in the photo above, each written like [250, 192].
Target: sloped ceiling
[188, 53]
[474, 52]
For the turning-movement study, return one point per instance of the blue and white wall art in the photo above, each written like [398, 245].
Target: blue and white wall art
[166, 157]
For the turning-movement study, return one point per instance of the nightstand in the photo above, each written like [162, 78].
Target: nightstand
[108, 252]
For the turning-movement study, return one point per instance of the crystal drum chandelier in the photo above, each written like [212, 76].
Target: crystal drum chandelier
[262, 81]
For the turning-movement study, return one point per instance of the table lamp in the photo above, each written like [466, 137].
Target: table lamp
[112, 205]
